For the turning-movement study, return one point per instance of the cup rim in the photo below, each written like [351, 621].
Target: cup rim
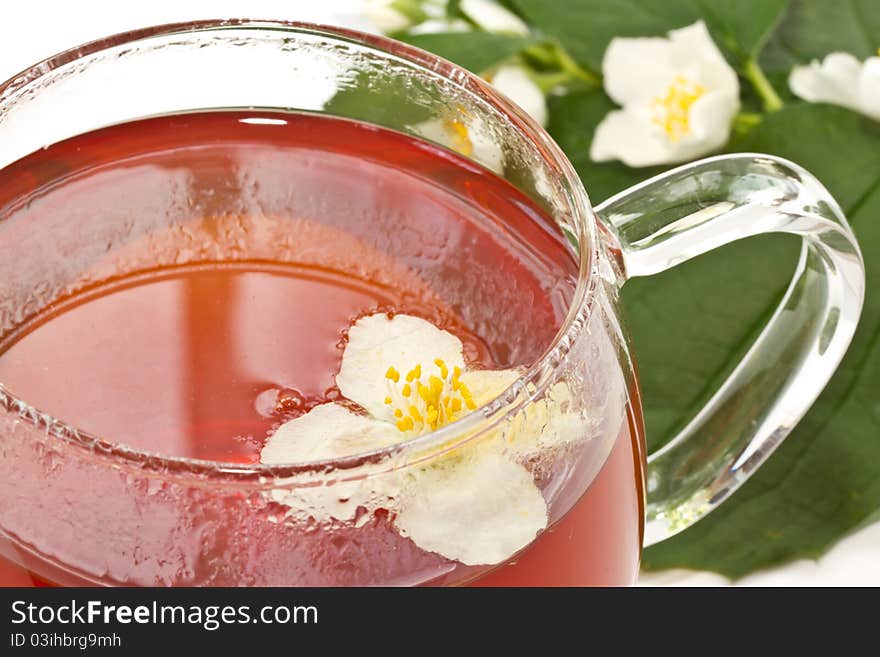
[531, 382]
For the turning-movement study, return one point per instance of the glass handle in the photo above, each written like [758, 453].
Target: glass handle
[699, 207]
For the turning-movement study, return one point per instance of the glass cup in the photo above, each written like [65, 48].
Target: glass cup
[77, 508]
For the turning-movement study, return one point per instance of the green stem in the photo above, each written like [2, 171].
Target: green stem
[555, 59]
[754, 74]
[547, 82]
[576, 70]
[746, 121]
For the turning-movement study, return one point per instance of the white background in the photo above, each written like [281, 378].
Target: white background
[31, 31]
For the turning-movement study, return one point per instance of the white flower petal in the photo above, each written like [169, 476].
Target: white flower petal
[694, 44]
[720, 78]
[710, 115]
[806, 82]
[544, 423]
[709, 69]
[635, 70]
[376, 343]
[634, 141]
[561, 429]
[710, 121]
[438, 131]
[515, 83]
[486, 385]
[478, 510]
[869, 87]
[492, 17]
[835, 80]
[486, 146]
[559, 423]
[842, 67]
[338, 501]
[327, 431]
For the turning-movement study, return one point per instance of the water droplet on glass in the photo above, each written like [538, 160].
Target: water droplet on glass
[266, 402]
[290, 401]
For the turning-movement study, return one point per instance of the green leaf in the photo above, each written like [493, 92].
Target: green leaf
[825, 479]
[814, 28]
[475, 51]
[383, 99]
[586, 27]
[741, 28]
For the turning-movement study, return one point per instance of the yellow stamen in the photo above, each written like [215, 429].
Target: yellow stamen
[421, 404]
[466, 394]
[459, 138]
[671, 112]
[436, 387]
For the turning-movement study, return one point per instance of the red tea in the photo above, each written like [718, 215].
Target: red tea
[232, 251]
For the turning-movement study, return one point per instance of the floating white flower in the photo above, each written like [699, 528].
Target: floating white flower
[840, 79]
[678, 96]
[471, 135]
[515, 83]
[477, 504]
[466, 134]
